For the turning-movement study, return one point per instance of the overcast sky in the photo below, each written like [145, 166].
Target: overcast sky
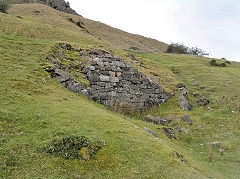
[212, 25]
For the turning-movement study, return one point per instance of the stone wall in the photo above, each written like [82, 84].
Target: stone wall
[113, 82]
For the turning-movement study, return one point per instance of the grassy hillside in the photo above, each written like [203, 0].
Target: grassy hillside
[41, 21]
[36, 109]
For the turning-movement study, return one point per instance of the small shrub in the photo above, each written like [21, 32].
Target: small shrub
[228, 62]
[222, 65]
[4, 6]
[182, 49]
[177, 48]
[197, 51]
[70, 19]
[73, 147]
[213, 63]
[79, 24]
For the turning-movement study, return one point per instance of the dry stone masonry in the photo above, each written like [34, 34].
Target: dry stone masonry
[113, 82]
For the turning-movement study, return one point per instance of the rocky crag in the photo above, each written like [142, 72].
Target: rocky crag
[60, 5]
[113, 82]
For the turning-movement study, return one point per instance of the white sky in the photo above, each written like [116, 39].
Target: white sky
[212, 25]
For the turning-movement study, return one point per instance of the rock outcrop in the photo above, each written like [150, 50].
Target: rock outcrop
[60, 5]
[183, 102]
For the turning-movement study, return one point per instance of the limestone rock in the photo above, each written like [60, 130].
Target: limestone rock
[181, 130]
[169, 133]
[60, 5]
[203, 101]
[150, 131]
[186, 118]
[184, 104]
[157, 120]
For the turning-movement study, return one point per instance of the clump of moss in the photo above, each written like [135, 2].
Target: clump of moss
[73, 147]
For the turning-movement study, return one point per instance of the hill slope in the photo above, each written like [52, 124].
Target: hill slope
[64, 27]
[36, 109]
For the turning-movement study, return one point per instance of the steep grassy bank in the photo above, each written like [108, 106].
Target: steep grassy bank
[218, 121]
[36, 109]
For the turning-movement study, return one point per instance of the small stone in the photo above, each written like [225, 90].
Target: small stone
[184, 91]
[209, 108]
[195, 94]
[150, 131]
[180, 129]
[169, 133]
[61, 53]
[203, 101]
[104, 78]
[125, 68]
[221, 151]
[114, 79]
[214, 144]
[84, 92]
[91, 68]
[187, 119]
[184, 104]
[180, 85]
[94, 77]
[112, 74]
[107, 56]
[156, 120]
[119, 74]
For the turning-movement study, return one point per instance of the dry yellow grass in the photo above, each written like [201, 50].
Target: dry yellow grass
[61, 26]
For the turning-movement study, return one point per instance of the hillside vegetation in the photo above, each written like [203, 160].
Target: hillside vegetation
[36, 110]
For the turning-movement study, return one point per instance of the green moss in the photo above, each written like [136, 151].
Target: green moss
[72, 147]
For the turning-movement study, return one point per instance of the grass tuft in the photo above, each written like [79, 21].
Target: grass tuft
[72, 147]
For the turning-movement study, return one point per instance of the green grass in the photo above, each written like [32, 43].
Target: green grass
[222, 122]
[36, 109]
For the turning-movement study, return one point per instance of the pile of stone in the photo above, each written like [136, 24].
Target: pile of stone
[183, 102]
[113, 82]
[164, 122]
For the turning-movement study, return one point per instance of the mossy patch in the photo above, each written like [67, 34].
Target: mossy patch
[73, 147]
